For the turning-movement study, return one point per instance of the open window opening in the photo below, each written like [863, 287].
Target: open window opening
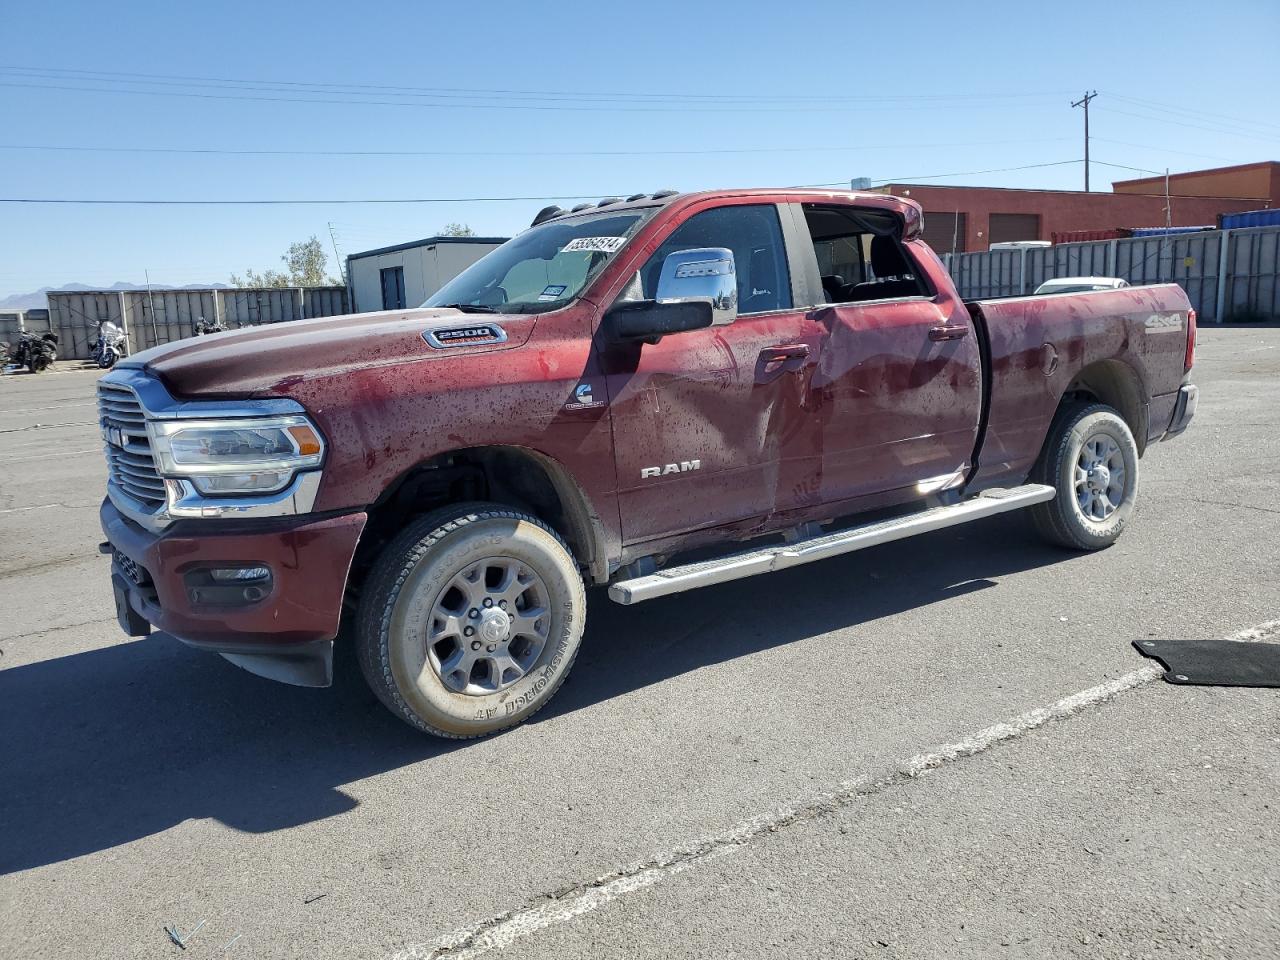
[859, 255]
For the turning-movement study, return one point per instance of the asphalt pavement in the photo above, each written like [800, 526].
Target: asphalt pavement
[940, 747]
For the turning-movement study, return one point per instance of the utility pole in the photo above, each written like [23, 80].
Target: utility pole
[1084, 102]
[151, 301]
[342, 270]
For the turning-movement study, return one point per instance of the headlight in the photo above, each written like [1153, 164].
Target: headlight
[227, 457]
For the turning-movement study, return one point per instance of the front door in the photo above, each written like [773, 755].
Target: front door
[899, 377]
[904, 407]
[699, 418]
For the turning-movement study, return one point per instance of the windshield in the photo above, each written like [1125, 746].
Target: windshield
[543, 268]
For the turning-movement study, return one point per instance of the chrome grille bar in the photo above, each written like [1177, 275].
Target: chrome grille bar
[131, 467]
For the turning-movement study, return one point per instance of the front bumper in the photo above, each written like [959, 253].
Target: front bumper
[288, 634]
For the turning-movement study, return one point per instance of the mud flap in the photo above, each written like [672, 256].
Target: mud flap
[131, 622]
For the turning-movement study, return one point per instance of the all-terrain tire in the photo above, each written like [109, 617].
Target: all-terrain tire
[405, 597]
[1077, 431]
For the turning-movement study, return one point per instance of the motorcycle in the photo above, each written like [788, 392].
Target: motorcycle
[110, 346]
[36, 353]
[203, 327]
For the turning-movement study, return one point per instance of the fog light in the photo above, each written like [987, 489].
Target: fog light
[228, 586]
[231, 574]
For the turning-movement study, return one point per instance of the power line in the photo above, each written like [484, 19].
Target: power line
[211, 151]
[422, 200]
[592, 108]
[1147, 146]
[1192, 126]
[1121, 166]
[119, 77]
[1190, 111]
[211, 203]
[943, 176]
[580, 108]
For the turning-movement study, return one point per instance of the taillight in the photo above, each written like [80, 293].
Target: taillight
[1191, 341]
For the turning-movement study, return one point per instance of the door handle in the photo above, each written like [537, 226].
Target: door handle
[784, 352]
[780, 360]
[949, 331]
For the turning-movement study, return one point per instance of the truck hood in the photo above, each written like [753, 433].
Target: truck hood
[262, 360]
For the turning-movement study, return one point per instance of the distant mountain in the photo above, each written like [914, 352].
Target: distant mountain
[37, 298]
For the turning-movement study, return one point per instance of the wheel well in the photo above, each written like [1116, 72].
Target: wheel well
[514, 476]
[1118, 385]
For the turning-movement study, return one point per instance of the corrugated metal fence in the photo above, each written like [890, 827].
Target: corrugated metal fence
[13, 323]
[152, 317]
[1226, 273]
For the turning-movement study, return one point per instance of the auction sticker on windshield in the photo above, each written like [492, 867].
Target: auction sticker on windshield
[594, 244]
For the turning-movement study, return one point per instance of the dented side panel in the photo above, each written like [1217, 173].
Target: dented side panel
[1041, 345]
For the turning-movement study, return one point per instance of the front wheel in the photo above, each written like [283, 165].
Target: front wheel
[1091, 458]
[470, 620]
[106, 359]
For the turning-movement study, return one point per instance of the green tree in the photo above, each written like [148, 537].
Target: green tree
[456, 230]
[305, 264]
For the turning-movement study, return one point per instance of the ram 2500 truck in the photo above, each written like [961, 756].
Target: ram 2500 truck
[765, 377]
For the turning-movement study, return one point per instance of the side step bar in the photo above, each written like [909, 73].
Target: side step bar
[781, 556]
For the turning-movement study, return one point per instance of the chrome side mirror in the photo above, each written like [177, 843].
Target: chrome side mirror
[701, 275]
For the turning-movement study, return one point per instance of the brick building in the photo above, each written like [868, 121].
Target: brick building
[1248, 180]
[965, 219]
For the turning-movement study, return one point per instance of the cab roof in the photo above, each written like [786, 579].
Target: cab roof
[908, 210]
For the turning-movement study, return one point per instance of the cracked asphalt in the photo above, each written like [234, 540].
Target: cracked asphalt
[144, 784]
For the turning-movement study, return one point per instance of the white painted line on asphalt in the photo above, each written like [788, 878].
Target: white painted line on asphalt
[55, 405]
[51, 456]
[501, 931]
[50, 426]
[51, 506]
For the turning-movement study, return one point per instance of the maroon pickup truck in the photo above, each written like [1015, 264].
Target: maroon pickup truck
[765, 377]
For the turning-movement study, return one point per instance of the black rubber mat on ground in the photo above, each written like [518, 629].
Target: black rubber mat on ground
[1216, 663]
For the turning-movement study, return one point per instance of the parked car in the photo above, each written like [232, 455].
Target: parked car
[766, 377]
[1080, 284]
[1021, 245]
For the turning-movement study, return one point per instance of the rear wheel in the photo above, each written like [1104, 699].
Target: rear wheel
[470, 620]
[1091, 458]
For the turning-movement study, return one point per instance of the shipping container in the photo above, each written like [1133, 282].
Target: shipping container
[1090, 236]
[1164, 231]
[1251, 218]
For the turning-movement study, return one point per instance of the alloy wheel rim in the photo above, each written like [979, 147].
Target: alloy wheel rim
[488, 626]
[1100, 478]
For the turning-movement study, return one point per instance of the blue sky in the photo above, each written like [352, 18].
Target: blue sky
[805, 92]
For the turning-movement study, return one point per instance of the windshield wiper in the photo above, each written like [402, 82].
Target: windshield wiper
[469, 307]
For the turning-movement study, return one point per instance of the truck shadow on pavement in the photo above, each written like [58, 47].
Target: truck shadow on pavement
[122, 742]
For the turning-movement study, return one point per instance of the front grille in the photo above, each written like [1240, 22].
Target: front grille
[132, 468]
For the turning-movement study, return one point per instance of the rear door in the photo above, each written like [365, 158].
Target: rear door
[899, 376]
[699, 417]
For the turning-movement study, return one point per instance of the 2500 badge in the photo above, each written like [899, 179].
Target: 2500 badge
[445, 337]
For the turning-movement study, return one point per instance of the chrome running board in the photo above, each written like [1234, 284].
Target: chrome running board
[781, 556]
